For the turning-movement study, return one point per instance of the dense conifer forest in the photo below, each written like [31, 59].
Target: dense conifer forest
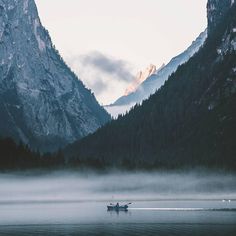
[19, 157]
[190, 121]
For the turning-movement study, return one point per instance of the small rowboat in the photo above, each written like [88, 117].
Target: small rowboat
[118, 207]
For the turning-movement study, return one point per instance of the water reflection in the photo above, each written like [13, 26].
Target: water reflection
[119, 212]
[76, 204]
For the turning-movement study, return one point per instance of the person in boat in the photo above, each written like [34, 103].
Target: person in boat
[117, 205]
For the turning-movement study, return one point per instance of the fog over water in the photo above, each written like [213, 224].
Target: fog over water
[117, 186]
[75, 203]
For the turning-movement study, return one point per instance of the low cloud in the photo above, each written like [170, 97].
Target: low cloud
[99, 86]
[109, 65]
[106, 76]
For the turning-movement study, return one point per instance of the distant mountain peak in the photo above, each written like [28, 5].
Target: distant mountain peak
[189, 122]
[140, 78]
[155, 78]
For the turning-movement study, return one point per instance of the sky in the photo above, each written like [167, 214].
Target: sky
[107, 42]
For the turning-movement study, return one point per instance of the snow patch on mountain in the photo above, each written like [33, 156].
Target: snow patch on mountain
[25, 6]
[41, 44]
[158, 78]
[140, 78]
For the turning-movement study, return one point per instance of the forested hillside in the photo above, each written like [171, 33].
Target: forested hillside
[190, 121]
[20, 157]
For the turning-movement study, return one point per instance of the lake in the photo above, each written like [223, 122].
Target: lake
[62, 203]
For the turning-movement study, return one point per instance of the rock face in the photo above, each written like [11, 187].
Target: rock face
[157, 79]
[42, 102]
[216, 10]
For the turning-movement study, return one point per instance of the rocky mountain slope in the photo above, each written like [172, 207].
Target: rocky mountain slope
[215, 10]
[189, 122]
[42, 102]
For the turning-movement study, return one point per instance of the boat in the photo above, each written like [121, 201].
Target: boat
[118, 207]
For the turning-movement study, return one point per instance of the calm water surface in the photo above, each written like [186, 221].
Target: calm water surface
[49, 206]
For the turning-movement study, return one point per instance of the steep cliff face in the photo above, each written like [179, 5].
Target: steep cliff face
[216, 10]
[42, 102]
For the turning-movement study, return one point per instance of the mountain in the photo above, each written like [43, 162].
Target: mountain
[158, 78]
[215, 10]
[115, 109]
[140, 78]
[189, 122]
[42, 102]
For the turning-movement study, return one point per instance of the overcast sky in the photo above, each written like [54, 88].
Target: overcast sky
[108, 41]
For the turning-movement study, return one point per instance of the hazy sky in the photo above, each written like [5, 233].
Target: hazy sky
[108, 41]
